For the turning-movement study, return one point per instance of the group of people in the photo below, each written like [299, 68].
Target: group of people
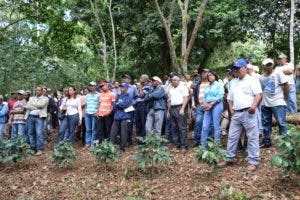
[243, 102]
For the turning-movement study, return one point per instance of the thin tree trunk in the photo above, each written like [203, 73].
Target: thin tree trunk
[292, 23]
[95, 11]
[114, 41]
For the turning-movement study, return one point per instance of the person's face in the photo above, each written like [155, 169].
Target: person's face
[71, 91]
[126, 80]
[228, 76]
[142, 79]
[104, 87]
[282, 61]
[187, 77]
[240, 71]
[20, 96]
[116, 85]
[175, 81]
[14, 95]
[268, 67]
[123, 90]
[1, 100]
[204, 74]
[211, 78]
[66, 91]
[39, 91]
[249, 70]
[92, 88]
[85, 91]
[155, 83]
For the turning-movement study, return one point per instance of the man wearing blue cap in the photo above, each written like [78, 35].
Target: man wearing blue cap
[243, 98]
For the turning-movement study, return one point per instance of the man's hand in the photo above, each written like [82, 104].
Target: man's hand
[181, 111]
[251, 110]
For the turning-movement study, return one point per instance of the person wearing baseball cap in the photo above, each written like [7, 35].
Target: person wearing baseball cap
[288, 70]
[275, 89]
[243, 99]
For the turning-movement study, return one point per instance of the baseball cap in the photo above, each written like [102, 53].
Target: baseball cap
[282, 56]
[156, 78]
[28, 92]
[124, 85]
[93, 83]
[127, 76]
[204, 70]
[13, 92]
[267, 60]
[240, 63]
[21, 92]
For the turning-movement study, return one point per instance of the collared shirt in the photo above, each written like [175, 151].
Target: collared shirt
[92, 102]
[106, 100]
[243, 91]
[213, 92]
[176, 95]
[291, 80]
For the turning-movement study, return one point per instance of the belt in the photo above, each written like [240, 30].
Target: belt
[174, 106]
[34, 116]
[242, 110]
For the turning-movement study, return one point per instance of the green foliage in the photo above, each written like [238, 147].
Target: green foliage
[229, 193]
[210, 155]
[63, 154]
[152, 151]
[105, 152]
[14, 150]
[288, 157]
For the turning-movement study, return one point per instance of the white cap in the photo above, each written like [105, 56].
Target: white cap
[156, 78]
[267, 60]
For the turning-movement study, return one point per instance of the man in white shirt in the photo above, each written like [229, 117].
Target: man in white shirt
[243, 98]
[287, 69]
[178, 97]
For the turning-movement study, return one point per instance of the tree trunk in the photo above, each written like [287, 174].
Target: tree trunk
[184, 22]
[292, 16]
[114, 41]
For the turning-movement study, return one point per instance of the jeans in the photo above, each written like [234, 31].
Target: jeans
[280, 115]
[115, 130]
[179, 127]
[243, 121]
[291, 101]
[67, 128]
[199, 114]
[91, 129]
[129, 128]
[154, 120]
[168, 126]
[104, 124]
[36, 133]
[140, 115]
[2, 126]
[18, 130]
[297, 84]
[214, 116]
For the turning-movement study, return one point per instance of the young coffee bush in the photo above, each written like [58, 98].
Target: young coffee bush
[63, 154]
[105, 152]
[211, 154]
[14, 150]
[288, 147]
[153, 150]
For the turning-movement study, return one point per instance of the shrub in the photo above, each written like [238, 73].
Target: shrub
[229, 193]
[105, 152]
[153, 150]
[14, 150]
[63, 154]
[211, 154]
[288, 157]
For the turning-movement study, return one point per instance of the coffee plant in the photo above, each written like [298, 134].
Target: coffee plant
[63, 154]
[105, 152]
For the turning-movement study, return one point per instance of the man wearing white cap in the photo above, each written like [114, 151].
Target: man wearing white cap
[287, 69]
[275, 88]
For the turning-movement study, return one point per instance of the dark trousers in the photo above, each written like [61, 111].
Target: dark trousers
[129, 128]
[179, 127]
[140, 115]
[115, 130]
[104, 124]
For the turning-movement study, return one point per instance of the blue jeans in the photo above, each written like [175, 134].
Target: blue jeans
[67, 128]
[2, 126]
[199, 114]
[18, 129]
[36, 133]
[214, 116]
[291, 101]
[91, 129]
[169, 128]
[280, 115]
[297, 84]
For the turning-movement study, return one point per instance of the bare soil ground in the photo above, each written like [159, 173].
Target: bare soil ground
[37, 178]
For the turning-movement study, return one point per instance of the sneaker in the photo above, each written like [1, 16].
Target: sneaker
[251, 168]
[39, 152]
[121, 153]
[265, 145]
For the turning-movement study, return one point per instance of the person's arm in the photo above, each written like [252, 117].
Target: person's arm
[4, 110]
[256, 102]
[127, 101]
[157, 94]
[79, 111]
[42, 103]
[230, 105]
[286, 89]
[169, 108]
[185, 101]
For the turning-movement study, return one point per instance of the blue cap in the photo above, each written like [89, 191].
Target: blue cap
[240, 63]
[124, 85]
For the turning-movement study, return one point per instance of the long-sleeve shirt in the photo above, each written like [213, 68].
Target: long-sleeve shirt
[213, 92]
[122, 101]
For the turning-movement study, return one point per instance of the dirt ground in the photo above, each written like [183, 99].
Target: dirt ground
[37, 178]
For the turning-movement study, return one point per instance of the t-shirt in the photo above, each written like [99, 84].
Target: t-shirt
[18, 106]
[201, 91]
[73, 107]
[291, 80]
[106, 100]
[272, 89]
[91, 103]
[243, 91]
[176, 95]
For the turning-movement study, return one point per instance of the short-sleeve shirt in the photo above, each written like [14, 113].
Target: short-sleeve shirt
[176, 95]
[291, 80]
[272, 89]
[92, 102]
[243, 91]
[19, 118]
[106, 100]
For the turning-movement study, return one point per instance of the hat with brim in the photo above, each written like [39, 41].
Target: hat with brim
[267, 61]
[124, 85]
[204, 70]
[22, 92]
[282, 56]
[156, 78]
[13, 93]
[240, 63]
[127, 76]
[92, 83]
